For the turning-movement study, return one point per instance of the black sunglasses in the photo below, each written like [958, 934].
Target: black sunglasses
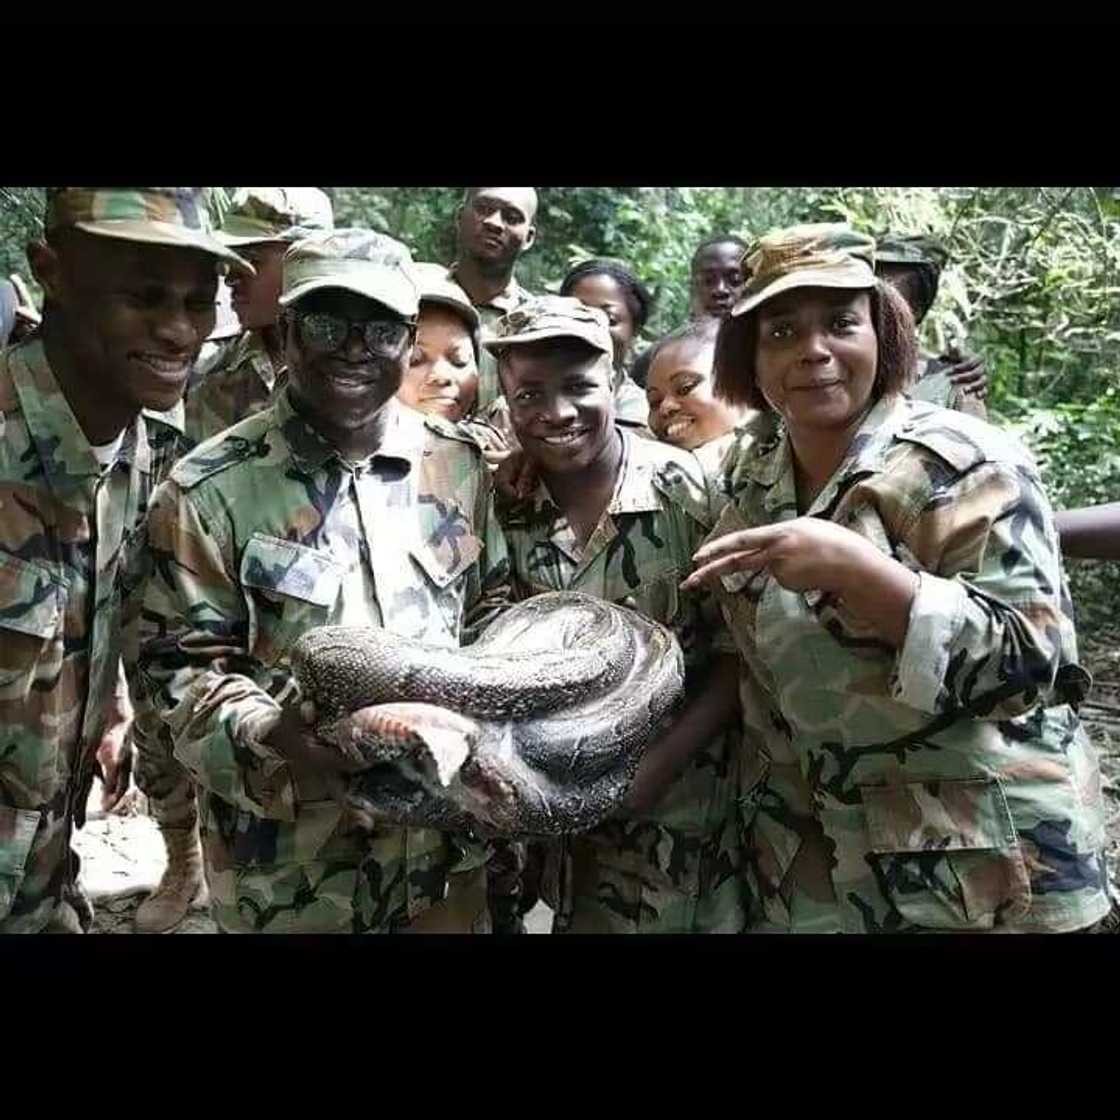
[325, 332]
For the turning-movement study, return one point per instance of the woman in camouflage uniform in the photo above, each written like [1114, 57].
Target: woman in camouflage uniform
[890, 572]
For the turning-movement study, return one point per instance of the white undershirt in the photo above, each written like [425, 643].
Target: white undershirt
[106, 453]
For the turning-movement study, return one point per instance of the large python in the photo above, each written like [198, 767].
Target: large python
[536, 729]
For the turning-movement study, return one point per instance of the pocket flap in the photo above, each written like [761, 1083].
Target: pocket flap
[29, 597]
[445, 569]
[17, 831]
[939, 815]
[287, 568]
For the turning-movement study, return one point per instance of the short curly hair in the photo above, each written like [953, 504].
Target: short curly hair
[736, 380]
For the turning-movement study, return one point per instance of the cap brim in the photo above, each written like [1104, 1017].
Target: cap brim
[233, 240]
[404, 305]
[496, 344]
[163, 233]
[855, 276]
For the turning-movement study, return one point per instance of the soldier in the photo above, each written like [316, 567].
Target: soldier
[683, 409]
[442, 375]
[240, 377]
[890, 572]
[618, 517]
[716, 276]
[130, 276]
[623, 298]
[336, 504]
[913, 265]
[237, 381]
[495, 225]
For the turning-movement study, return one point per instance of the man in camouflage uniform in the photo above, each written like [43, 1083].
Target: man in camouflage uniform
[336, 504]
[913, 264]
[716, 276]
[238, 380]
[130, 276]
[934, 776]
[494, 226]
[671, 863]
[240, 377]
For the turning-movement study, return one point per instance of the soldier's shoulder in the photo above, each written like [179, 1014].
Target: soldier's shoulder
[958, 439]
[242, 443]
[438, 431]
[679, 475]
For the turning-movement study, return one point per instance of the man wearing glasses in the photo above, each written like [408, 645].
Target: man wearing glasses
[335, 505]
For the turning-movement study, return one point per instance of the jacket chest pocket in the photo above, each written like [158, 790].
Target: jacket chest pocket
[945, 852]
[32, 601]
[289, 589]
[433, 608]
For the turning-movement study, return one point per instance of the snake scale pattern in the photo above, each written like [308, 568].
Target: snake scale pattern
[536, 729]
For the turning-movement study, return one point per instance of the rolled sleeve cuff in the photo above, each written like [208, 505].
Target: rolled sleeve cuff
[936, 615]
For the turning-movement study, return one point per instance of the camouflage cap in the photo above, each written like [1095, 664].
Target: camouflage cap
[818, 255]
[178, 216]
[358, 260]
[919, 250]
[436, 286]
[259, 214]
[551, 317]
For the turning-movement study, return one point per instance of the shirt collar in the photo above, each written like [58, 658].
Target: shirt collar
[403, 441]
[69, 463]
[772, 466]
[513, 295]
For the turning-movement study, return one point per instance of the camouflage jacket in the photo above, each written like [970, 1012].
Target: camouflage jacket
[637, 556]
[67, 533]
[260, 534]
[948, 784]
[236, 382]
[489, 388]
[630, 405]
[932, 384]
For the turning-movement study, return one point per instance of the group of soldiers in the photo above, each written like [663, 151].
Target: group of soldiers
[384, 442]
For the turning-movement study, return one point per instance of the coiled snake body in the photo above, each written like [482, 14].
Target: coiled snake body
[535, 729]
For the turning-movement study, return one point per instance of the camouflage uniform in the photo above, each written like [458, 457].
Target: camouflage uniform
[236, 382]
[262, 533]
[950, 785]
[677, 869]
[66, 529]
[67, 554]
[489, 387]
[931, 383]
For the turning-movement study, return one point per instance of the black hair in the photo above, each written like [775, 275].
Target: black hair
[638, 299]
[695, 330]
[717, 239]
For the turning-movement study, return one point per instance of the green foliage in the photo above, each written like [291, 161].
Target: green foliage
[1032, 284]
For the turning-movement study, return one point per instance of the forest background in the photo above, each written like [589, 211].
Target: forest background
[1032, 286]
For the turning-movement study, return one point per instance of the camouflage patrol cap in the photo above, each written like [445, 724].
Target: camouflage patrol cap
[818, 255]
[358, 260]
[919, 250]
[259, 214]
[551, 317]
[178, 216]
[437, 287]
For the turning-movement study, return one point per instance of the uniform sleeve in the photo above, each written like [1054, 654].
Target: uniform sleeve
[987, 623]
[195, 667]
[493, 592]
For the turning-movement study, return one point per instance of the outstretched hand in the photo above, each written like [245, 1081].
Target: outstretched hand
[805, 553]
